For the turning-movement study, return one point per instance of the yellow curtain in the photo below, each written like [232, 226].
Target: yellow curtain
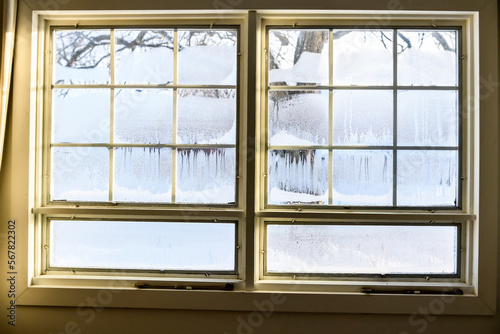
[8, 32]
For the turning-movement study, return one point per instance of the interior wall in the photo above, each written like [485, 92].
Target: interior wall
[14, 196]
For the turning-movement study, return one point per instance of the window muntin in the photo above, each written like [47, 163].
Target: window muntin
[144, 116]
[352, 123]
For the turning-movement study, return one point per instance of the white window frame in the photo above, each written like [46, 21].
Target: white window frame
[251, 289]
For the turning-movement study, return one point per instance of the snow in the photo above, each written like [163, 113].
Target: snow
[310, 68]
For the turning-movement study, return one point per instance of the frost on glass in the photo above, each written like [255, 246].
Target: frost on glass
[298, 57]
[427, 178]
[362, 57]
[143, 116]
[80, 116]
[361, 249]
[298, 177]
[206, 175]
[82, 57]
[362, 177]
[142, 174]
[80, 174]
[207, 57]
[427, 58]
[144, 56]
[428, 118]
[362, 117]
[298, 117]
[206, 116]
[142, 245]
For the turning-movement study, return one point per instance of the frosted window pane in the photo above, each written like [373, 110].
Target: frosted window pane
[362, 177]
[82, 57]
[143, 174]
[362, 117]
[427, 178]
[142, 245]
[81, 116]
[361, 249]
[362, 57]
[298, 117]
[143, 116]
[207, 57]
[144, 56]
[298, 176]
[298, 57]
[206, 175]
[80, 174]
[427, 58]
[428, 118]
[206, 116]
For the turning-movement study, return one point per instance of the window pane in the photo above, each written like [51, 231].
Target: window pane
[362, 117]
[362, 177]
[206, 116]
[143, 174]
[143, 245]
[427, 178]
[361, 249]
[144, 56]
[81, 57]
[362, 57]
[143, 116]
[298, 117]
[80, 116]
[428, 118]
[427, 58]
[298, 57]
[298, 176]
[207, 57]
[206, 175]
[80, 174]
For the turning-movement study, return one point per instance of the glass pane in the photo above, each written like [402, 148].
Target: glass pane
[298, 177]
[362, 117]
[362, 57]
[206, 116]
[206, 175]
[143, 116]
[428, 118]
[81, 116]
[362, 177]
[80, 174]
[427, 58]
[361, 249]
[144, 56]
[143, 174]
[81, 57]
[207, 57]
[142, 245]
[298, 57]
[427, 178]
[298, 117]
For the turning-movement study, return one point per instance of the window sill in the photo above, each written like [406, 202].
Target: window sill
[253, 301]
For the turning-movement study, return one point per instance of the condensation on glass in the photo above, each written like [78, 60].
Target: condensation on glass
[362, 249]
[143, 245]
[376, 110]
[138, 137]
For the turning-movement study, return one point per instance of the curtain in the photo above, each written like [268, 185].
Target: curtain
[8, 32]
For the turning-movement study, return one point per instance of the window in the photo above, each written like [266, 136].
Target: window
[362, 118]
[361, 170]
[142, 118]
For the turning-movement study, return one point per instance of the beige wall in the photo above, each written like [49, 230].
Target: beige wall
[14, 193]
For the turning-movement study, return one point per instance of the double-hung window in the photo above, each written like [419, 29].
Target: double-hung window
[140, 140]
[357, 119]
[260, 151]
